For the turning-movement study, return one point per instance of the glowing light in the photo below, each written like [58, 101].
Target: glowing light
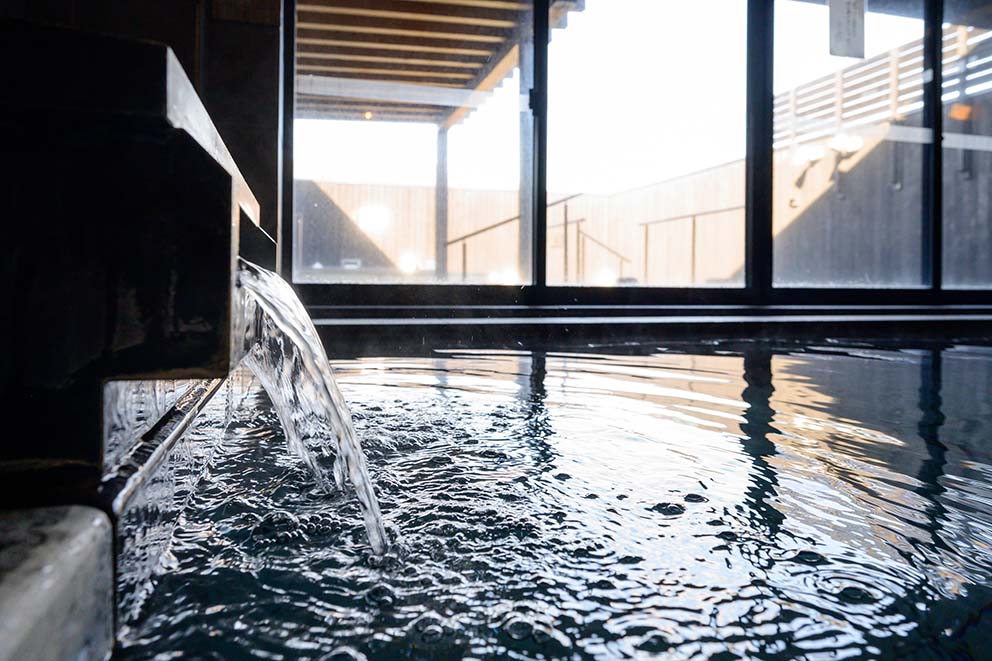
[847, 144]
[605, 278]
[368, 115]
[373, 219]
[806, 154]
[960, 112]
[408, 263]
[508, 276]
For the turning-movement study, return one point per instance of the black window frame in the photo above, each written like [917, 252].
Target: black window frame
[758, 291]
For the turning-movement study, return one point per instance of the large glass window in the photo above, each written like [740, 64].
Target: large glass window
[646, 144]
[407, 138]
[848, 161]
[414, 159]
[967, 144]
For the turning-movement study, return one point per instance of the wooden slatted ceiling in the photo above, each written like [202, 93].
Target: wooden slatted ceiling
[435, 44]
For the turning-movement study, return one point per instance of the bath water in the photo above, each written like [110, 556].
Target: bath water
[686, 501]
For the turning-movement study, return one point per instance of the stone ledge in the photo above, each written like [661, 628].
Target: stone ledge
[56, 584]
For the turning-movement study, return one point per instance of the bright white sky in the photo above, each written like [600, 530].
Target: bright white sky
[640, 91]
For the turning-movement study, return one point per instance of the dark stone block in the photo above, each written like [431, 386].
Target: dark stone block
[125, 219]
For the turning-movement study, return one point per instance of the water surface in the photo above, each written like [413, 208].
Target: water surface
[712, 502]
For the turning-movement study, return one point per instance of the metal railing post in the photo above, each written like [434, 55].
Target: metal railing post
[580, 254]
[692, 257]
[647, 229]
[564, 227]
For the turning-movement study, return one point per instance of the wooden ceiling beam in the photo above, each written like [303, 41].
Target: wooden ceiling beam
[393, 59]
[363, 104]
[399, 27]
[397, 64]
[306, 112]
[332, 112]
[374, 111]
[491, 80]
[452, 96]
[390, 43]
[424, 77]
[485, 4]
[386, 72]
[373, 106]
[420, 11]
[509, 57]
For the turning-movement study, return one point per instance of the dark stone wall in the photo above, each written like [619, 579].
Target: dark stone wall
[242, 90]
[178, 23]
[231, 50]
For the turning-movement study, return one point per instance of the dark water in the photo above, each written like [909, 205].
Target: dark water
[819, 503]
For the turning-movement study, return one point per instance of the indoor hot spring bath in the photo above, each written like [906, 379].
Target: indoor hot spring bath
[708, 501]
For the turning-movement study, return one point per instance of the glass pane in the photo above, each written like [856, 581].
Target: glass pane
[646, 144]
[967, 144]
[848, 198]
[407, 143]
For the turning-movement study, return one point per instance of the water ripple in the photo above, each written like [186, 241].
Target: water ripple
[756, 503]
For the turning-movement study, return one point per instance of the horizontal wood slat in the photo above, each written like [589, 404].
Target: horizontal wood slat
[388, 46]
[884, 88]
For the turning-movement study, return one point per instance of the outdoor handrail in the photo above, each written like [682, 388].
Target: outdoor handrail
[587, 236]
[692, 217]
[688, 216]
[483, 230]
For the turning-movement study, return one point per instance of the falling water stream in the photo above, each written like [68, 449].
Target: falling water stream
[287, 357]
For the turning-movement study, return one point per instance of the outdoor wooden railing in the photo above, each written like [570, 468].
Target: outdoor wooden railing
[488, 228]
[581, 238]
[883, 88]
[692, 218]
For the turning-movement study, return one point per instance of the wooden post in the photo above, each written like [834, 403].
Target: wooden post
[527, 215]
[441, 206]
[646, 252]
[580, 247]
[565, 236]
[692, 243]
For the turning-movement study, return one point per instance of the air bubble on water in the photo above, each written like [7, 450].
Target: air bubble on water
[518, 629]
[344, 653]
[381, 597]
[668, 509]
[809, 558]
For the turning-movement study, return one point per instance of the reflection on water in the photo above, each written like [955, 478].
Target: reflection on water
[751, 502]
